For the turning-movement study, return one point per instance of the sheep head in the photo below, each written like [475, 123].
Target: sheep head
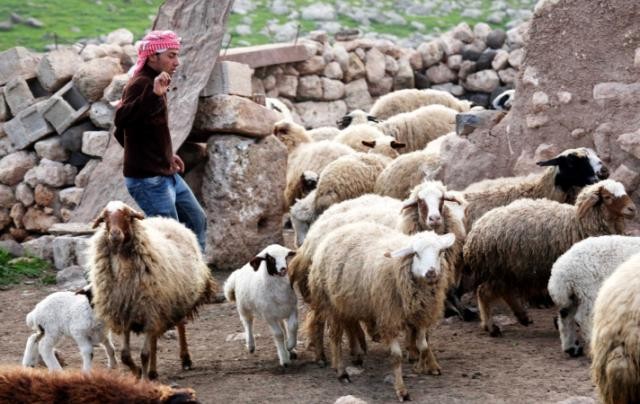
[577, 168]
[609, 194]
[118, 217]
[425, 249]
[275, 256]
[355, 117]
[429, 198]
[385, 145]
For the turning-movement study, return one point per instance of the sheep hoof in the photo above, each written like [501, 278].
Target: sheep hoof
[344, 378]
[153, 375]
[293, 355]
[357, 361]
[469, 314]
[403, 395]
[575, 352]
[186, 364]
[525, 321]
[252, 349]
[495, 331]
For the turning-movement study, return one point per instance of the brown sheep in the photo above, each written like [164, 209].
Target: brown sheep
[511, 249]
[148, 276]
[38, 386]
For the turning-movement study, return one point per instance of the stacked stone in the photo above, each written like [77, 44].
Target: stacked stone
[351, 73]
[55, 114]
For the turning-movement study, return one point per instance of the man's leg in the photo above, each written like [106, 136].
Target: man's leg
[190, 212]
[156, 196]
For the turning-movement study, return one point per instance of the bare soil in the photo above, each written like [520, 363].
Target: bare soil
[525, 366]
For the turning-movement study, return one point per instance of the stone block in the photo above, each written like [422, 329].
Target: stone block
[28, 126]
[18, 95]
[267, 55]
[94, 143]
[4, 108]
[233, 114]
[231, 78]
[41, 247]
[68, 251]
[65, 107]
[57, 67]
[17, 62]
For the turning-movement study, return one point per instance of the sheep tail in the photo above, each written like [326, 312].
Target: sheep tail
[299, 274]
[230, 288]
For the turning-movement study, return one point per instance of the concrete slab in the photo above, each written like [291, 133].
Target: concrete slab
[231, 78]
[267, 55]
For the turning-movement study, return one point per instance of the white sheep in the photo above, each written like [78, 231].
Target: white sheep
[406, 172]
[291, 134]
[576, 278]
[568, 172]
[366, 138]
[411, 99]
[417, 128]
[356, 117]
[323, 133]
[615, 341]
[66, 314]
[510, 250]
[368, 272]
[305, 165]
[261, 288]
[348, 177]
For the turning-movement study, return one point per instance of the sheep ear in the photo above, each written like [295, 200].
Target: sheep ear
[552, 162]
[397, 145]
[344, 121]
[98, 220]
[409, 203]
[371, 144]
[403, 252]
[588, 203]
[372, 118]
[291, 254]
[255, 262]
[136, 215]
[447, 240]
[453, 198]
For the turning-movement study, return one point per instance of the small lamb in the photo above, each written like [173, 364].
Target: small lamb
[71, 314]
[262, 287]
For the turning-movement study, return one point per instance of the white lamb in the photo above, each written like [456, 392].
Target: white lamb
[576, 278]
[70, 314]
[261, 287]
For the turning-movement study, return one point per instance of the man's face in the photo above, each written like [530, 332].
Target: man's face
[166, 61]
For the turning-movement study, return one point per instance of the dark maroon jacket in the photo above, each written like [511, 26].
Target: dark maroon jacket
[142, 128]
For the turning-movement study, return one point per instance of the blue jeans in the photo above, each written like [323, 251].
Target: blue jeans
[169, 196]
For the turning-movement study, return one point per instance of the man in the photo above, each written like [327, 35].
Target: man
[150, 166]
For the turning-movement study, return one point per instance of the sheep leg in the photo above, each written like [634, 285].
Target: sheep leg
[30, 357]
[125, 354]
[247, 323]
[396, 365]
[485, 297]
[144, 356]
[278, 337]
[516, 306]
[45, 348]
[185, 357]
[357, 342]
[153, 356]
[292, 334]
[86, 351]
[314, 325]
[107, 344]
[336, 330]
[410, 342]
[427, 363]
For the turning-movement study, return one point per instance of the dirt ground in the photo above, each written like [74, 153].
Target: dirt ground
[525, 366]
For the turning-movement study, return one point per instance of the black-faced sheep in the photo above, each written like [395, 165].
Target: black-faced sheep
[65, 314]
[576, 278]
[368, 272]
[417, 128]
[615, 342]
[511, 249]
[409, 100]
[262, 288]
[567, 174]
[356, 117]
[24, 385]
[147, 276]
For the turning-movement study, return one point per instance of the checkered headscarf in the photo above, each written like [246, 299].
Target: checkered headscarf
[155, 42]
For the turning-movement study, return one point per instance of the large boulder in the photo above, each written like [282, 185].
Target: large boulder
[233, 114]
[93, 76]
[243, 198]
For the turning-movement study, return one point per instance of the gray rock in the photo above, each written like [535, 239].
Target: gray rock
[12, 247]
[71, 278]
[95, 75]
[319, 12]
[243, 197]
[41, 247]
[52, 149]
[496, 38]
[14, 166]
[357, 95]
[24, 194]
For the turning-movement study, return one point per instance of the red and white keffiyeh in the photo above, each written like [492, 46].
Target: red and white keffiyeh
[155, 42]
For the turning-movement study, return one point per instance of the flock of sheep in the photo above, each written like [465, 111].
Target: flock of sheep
[381, 249]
